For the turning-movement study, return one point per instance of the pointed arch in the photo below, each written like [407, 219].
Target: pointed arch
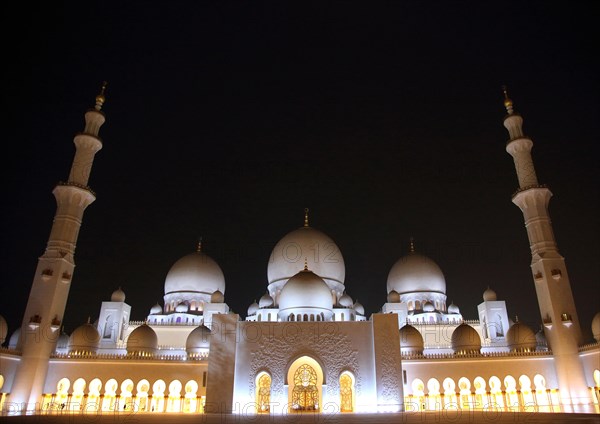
[347, 391]
[305, 379]
[263, 392]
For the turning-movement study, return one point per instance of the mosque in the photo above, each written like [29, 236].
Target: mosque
[306, 345]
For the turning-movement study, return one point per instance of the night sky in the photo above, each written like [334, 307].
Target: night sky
[226, 119]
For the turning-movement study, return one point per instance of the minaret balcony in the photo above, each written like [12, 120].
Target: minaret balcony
[55, 324]
[566, 320]
[529, 187]
[34, 322]
[74, 184]
[556, 274]
[66, 277]
[47, 274]
[548, 323]
[538, 277]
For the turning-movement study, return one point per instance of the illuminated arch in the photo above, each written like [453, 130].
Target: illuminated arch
[597, 377]
[1, 381]
[512, 397]
[263, 392]
[126, 395]
[464, 386]
[305, 379]
[541, 393]
[62, 393]
[141, 395]
[174, 401]
[110, 394]
[526, 393]
[434, 396]
[190, 399]
[347, 392]
[450, 401]
[417, 386]
[76, 403]
[158, 396]
[92, 403]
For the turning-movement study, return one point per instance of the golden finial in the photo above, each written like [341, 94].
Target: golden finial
[516, 319]
[89, 319]
[199, 246]
[508, 103]
[100, 97]
[305, 264]
[306, 217]
[411, 248]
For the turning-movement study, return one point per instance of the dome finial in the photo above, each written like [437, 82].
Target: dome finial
[305, 264]
[411, 248]
[199, 246]
[306, 217]
[100, 99]
[516, 319]
[508, 103]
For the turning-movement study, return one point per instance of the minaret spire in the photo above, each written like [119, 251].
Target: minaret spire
[306, 217]
[199, 246]
[411, 247]
[551, 281]
[52, 280]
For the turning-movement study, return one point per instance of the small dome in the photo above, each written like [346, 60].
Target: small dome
[182, 308]
[520, 338]
[453, 309]
[416, 273]
[393, 297]
[411, 340]
[62, 344]
[195, 273]
[142, 341]
[489, 295]
[428, 307]
[217, 297]
[118, 295]
[85, 339]
[266, 301]
[596, 326]
[305, 292]
[198, 341]
[252, 309]
[3, 329]
[14, 339]
[359, 308]
[465, 339]
[156, 309]
[346, 301]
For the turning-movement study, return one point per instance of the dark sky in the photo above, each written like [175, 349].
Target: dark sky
[226, 119]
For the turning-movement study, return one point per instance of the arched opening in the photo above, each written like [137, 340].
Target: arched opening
[418, 392]
[93, 398]
[190, 397]
[174, 402]
[496, 397]
[434, 397]
[305, 380]
[263, 393]
[596, 376]
[449, 394]
[110, 395]
[158, 396]
[346, 392]
[511, 391]
[62, 393]
[481, 400]
[141, 397]
[125, 400]
[76, 403]
[464, 385]
[499, 327]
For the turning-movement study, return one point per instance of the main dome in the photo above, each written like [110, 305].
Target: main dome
[304, 293]
[322, 255]
[195, 273]
[416, 273]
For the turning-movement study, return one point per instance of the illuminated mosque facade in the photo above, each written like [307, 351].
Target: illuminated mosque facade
[306, 345]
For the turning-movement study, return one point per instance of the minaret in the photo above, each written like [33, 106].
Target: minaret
[52, 279]
[550, 277]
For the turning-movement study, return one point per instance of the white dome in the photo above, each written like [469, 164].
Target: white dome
[319, 250]
[416, 273]
[182, 308]
[198, 340]
[305, 292]
[14, 338]
[3, 329]
[156, 309]
[411, 340]
[252, 309]
[346, 301]
[359, 308]
[266, 301]
[393, 297]
[217, 297]
[142, 341]
[195, 273]
[62, 344]
[428, 307]
[489, 295]
[520, 337]
[85, 339]
[596, 326]
[118, 295]
[453, 309]
[465, 339]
